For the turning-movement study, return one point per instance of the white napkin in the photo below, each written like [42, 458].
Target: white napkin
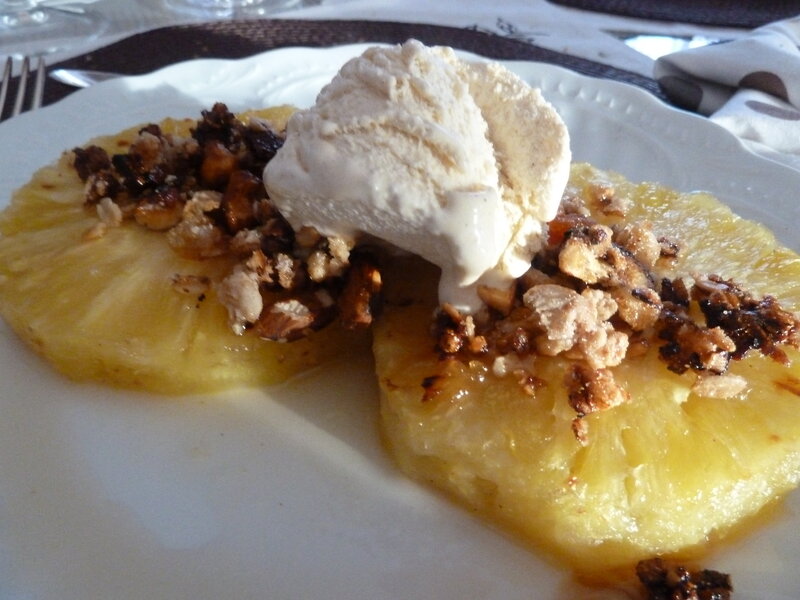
[750, 86]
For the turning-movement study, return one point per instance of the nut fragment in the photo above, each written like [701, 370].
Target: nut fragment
[605, 197]
[239, 201]
[90, 160]
[592, 390]
[293, 318]
[357, 301]
[218, 164]
[576, 323]
[638, 238]
[719, 386]
[109, 213]
[639, 307]
[240, 293]
[750, 322]
[501, 300]
[666, 581]
[197, 236]
[582, 252]
[161, 210]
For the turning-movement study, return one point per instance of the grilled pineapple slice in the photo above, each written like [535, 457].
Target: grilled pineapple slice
[663, 473]
[106, 309]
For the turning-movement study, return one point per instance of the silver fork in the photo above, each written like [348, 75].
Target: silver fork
[18, 104]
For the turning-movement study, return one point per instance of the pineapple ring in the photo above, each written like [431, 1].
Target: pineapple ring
[636, 489]
[105, 309]
[662, 474]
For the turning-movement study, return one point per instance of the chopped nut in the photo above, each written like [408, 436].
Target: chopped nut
[307, 237]
[501, 300]
[669, 248]
[582, 251]
[161, 210]
[592, 390]
[90, 160]
[692, 346]
[638, 238]
[572, 203]
[95, 232]
[675, 292]
[513, 339]
[626, 270]
[242, 194]
[665, 581]
[102, 184]
[197, 236]
[340, 249]
[639, 308]
[245, 242]
[218, 164]
[534, 277]
[287, 269]
[293, 318]
[751, 323]
[580, 429]
[576, 323]
[317, 265]
[259, 264]
[478, 344]
[276, 236]
[604, 196]
[149, 147]
[240, 293]
[357, 301]
[197, 240]
[507, 364]
[719, 386]
[109, 213]
[286, 320]
[455, 332]
[201, 202]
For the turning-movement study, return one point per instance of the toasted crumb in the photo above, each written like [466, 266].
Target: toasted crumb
[109, 212]
[666, 581]
[719, 386]
[95, 232]
[240, 294]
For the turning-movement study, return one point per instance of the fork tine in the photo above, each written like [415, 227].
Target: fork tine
[4, 85]
[22, 84]
[38, 88]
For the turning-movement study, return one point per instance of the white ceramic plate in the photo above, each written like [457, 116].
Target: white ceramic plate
[286, 492]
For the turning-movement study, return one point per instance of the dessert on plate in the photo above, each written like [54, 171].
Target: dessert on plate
[555, 345]
[144, 290]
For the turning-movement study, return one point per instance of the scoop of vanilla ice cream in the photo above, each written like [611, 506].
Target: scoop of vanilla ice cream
[461, 163]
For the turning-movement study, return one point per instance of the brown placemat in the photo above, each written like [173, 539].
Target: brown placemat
[722, 13]
[145, 52]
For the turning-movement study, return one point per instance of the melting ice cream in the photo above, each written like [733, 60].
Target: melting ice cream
[459, 162]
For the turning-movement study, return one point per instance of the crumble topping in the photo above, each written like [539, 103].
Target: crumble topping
[240, 292]
[109, 213]
[592, 295]
[576, 325]
[666, 581]
[206, 194]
